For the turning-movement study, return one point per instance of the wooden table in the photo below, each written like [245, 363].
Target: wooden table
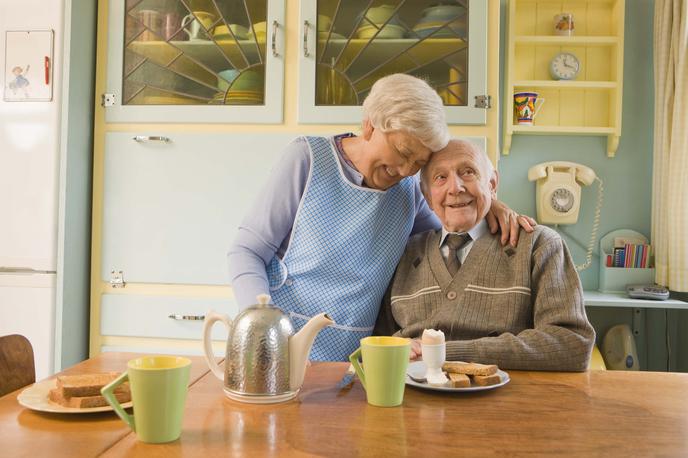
[584, 414]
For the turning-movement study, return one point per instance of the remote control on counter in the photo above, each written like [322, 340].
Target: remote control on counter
[653, 292]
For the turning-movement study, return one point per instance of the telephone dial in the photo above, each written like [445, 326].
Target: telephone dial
[558, 190]
[558, 196]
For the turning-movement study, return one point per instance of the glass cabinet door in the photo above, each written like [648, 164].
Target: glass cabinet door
[350, 44]
[195, 60]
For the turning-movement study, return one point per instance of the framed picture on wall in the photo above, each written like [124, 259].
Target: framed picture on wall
[28, 66]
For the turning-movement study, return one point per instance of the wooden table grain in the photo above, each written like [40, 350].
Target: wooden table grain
[24, 432]
[595, 413]
[582, 414]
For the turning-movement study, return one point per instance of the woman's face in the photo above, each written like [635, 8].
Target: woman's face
[389, 157]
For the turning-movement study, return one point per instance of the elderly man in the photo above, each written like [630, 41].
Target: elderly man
[519, 308]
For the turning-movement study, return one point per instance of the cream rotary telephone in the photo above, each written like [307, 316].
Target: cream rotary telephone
[558, 193]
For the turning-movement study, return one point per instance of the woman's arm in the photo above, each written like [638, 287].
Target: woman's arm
[502, 218]
[268, 224]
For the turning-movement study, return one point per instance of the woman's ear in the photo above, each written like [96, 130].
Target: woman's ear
[367, 129]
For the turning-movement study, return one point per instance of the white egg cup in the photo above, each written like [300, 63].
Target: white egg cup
[434, 357]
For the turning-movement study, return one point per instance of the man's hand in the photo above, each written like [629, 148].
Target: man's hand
[502, 218]
[416, 350]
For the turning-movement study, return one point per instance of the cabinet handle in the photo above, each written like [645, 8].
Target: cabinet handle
[306, 25]
[275, 25]
[151, 138]
[176, 316]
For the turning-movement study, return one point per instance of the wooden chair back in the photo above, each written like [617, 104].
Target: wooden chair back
[17, 367]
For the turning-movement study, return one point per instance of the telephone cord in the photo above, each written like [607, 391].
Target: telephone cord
[595, 227]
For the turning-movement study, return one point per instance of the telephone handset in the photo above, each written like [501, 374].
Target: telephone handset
[558, 195]
[558, 190]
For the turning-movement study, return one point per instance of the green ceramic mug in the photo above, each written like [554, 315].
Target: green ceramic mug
[158, 393]
[385, 360]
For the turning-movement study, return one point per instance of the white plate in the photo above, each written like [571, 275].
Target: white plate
[417, 369]
[35, 397]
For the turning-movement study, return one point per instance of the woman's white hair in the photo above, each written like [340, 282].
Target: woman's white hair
[401, 102]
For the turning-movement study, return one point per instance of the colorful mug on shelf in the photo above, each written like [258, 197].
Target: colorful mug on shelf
[196, 24]
[563, 24]
[525, 104]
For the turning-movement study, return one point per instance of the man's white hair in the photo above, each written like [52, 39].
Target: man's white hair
[457, 144]
[401, 102]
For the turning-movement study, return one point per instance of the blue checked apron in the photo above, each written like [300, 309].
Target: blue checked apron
[344, 248]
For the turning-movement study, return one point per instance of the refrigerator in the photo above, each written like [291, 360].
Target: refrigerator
[29, 192]
[38, 208]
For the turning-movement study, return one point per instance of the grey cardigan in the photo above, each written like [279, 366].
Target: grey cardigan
[519, 308]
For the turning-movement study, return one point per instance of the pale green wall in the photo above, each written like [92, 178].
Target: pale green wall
[77, 163]
[627, 179]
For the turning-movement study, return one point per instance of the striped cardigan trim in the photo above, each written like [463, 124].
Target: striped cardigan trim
[486, 290]
[420, 292]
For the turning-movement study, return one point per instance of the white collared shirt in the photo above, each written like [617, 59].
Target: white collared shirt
[476, 232]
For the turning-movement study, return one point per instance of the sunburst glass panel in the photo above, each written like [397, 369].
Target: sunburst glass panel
[360, 41]
[194, 52]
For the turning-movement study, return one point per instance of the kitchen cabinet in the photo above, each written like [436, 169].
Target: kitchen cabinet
[347, 45]
[589, 104]
[195, 61]
[173, 179]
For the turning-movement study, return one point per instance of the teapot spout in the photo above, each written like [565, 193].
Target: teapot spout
[300, 345]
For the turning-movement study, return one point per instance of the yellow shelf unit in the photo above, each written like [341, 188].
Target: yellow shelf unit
[590, 104]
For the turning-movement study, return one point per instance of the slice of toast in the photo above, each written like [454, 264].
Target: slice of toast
[459, 367]
[84, 402]
[459, 380]
[83, 385]
[486, 380]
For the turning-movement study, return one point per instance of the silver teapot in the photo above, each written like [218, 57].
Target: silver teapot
[265, 360]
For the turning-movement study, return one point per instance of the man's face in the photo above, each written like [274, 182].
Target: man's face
[459, 185]
[391, 156]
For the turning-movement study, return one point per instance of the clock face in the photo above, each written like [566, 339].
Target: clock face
[564, 66]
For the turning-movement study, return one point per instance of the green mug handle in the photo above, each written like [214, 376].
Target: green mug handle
[354, 359]
[108, 393]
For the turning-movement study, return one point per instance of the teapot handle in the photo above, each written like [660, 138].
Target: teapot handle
[211, 318]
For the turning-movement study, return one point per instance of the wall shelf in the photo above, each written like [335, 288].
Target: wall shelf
[599, 299]
[567, 84]
[589, 105]
[572, 40]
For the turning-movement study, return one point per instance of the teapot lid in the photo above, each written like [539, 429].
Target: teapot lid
[263, 300]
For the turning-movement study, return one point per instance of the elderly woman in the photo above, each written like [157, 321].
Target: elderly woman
[326, 233]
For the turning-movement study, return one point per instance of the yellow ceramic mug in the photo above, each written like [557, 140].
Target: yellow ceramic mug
[158, 393]
[527, 105]
[385, 360]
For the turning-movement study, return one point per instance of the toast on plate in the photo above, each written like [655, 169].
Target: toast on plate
[459, 380]
[84, 402]
[460, 367]
[83, 385]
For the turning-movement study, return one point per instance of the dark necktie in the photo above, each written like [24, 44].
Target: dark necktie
[455, 242]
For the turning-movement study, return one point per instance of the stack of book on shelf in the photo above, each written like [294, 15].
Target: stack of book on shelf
[625, 259]
[626, 254]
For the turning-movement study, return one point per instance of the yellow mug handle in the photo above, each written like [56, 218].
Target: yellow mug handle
[108, 393]
[539, 102]
[354, 358]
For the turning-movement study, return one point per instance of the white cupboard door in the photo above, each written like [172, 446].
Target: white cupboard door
[204, 61]
[172, 202]
[345, 46]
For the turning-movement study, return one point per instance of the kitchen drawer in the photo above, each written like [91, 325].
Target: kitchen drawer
[149, 316]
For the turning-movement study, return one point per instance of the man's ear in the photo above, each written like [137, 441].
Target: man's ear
[367, 129]
[494, 183]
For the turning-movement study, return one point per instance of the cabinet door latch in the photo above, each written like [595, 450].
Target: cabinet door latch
[117, 279]
[107, 100]
[483, 101]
